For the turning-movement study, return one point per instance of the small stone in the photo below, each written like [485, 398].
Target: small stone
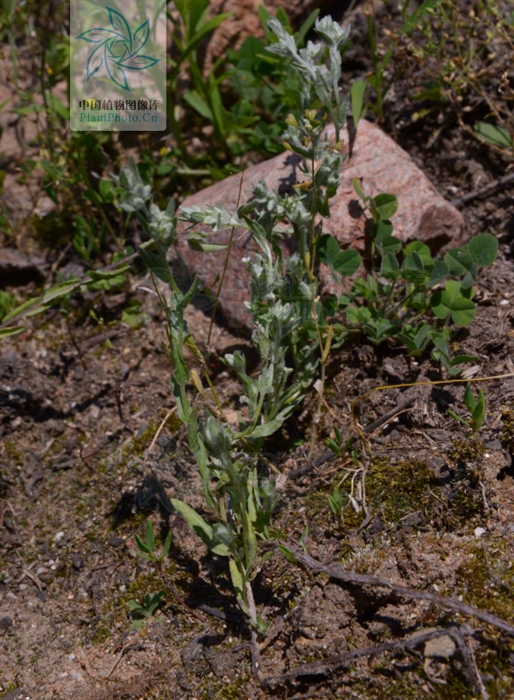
[6, 623]
[479, 531]
[54, 427]
[441, 648]
[281, 483]
[493, 445]
[16, 694]
[142, 430]
[48, 577]
[356, 541]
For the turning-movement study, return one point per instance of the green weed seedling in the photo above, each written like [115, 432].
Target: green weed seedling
[144, 611]
[495, 135]
[476, 407]
[304, 538]
[146, 550]
[401, 299]
[302, 542]
[59, 294]
[335, 501]
[287, 314]
[7, 303]
[336, 444]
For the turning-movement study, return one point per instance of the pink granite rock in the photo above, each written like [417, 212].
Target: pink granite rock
[382, 167]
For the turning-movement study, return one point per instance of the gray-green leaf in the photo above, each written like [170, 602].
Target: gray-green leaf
[198, 525]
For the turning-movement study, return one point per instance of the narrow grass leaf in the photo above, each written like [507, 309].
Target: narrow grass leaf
[357, 98]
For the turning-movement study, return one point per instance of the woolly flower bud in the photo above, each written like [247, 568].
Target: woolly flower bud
[161, 226]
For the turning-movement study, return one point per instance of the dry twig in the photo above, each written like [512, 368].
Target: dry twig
[336, 571]
[122, 653]
[334, 662]
[481, 191]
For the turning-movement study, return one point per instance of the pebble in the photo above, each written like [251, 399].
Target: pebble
[440, 647]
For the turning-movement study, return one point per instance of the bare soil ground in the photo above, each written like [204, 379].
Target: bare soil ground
[79, 476]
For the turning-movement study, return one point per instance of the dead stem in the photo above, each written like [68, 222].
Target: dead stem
[336, 571]
[334, 662]
[225, 266]
[254, 645]
[159, 430]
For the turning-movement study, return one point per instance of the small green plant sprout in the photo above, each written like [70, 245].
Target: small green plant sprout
[302, 542]
[335, 501]
[304, 538]
[336, 444]
[7, 303]
[142, 612]
[476, 408]
[146, 550]
[495, 135]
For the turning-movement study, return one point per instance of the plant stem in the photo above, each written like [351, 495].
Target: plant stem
[225, 266]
